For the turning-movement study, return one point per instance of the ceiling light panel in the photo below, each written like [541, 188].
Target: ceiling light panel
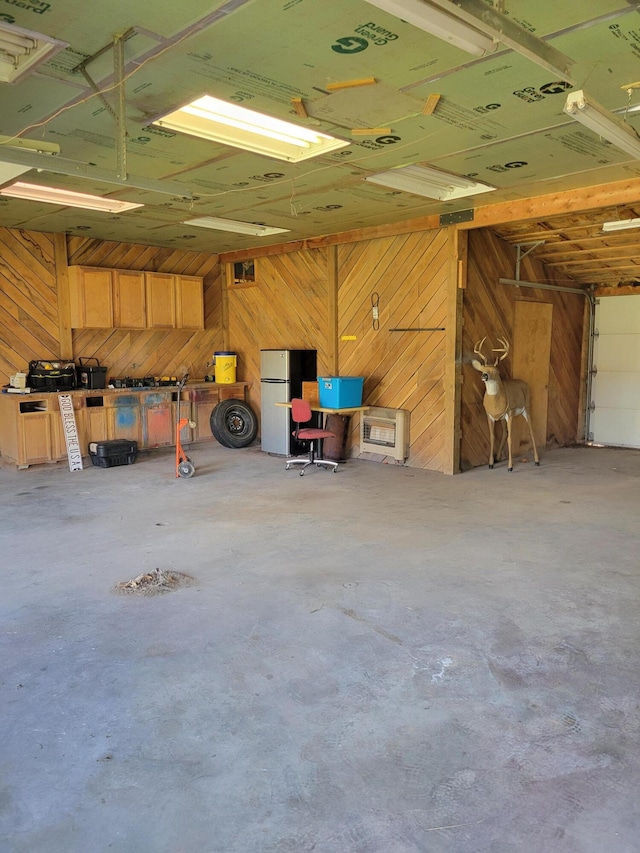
[229, 124]
[431, 183]
[9, 172]
[21, 51]
[620, 224]
[236, 227]
[66, 198]
[439, 24]
[598, 119]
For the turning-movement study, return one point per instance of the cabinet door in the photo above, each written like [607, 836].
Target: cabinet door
[94, 426]
[91, 298]
[203, 402]
[189, 302]
[157, 420]
[35, 438]
[161, 300]
[125, 422]
[129, 300]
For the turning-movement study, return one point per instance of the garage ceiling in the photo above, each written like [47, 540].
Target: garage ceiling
[498, 118]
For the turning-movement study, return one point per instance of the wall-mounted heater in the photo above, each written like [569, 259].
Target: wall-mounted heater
[385, 431]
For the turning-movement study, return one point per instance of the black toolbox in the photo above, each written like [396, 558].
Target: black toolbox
[91, 375]
[118, 451]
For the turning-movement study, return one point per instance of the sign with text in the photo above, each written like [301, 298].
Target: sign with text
[74, 454]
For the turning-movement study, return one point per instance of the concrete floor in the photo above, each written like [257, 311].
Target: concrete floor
[382, 660]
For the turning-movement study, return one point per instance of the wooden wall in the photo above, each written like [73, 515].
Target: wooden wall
[489, 310]
[286, 309]
[151, 352]
[319, 298]
[402, 370]
[292, 306]
[29, 308]
[28, 300]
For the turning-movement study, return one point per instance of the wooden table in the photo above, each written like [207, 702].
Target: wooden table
[349, 410]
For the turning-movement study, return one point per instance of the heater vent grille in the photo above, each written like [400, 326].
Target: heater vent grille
[385, 431]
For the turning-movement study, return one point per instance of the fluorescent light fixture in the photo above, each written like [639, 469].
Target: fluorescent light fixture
[9, 172]
[66, 198]
[438, 24]
[598, 119]
[476, 28]
[620, 224]
[248, 228]
[219, 121]
[21, 51]
[432, 183]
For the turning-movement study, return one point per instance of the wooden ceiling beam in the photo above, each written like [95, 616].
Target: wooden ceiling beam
[557, 259]
[556, 204]
[624, 290]
[601, 271]
[609, 239]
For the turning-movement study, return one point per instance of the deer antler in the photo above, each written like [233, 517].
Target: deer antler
[504, 349]
[478, 349]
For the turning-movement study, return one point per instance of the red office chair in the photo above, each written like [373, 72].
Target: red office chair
[301, 413]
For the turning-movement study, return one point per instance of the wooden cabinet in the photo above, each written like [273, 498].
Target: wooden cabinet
[158, 428]
[124, 418]
[35, 439]
[90, 298]
[129, 299]
[203, 401]
[161, 300]
[189, 302]
[31, 430]
[93, 420]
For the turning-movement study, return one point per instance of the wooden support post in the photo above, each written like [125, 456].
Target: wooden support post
[456, 284]
[227, 278]
[65, 335]
[332, 310]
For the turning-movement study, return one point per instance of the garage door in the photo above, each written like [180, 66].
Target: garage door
[615, 416]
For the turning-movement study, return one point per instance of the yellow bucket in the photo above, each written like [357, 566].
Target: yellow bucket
[225, 367]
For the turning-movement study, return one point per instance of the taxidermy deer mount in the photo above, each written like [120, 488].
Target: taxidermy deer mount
[504, 399]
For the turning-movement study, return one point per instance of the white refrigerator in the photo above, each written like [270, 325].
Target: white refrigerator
[282, 373]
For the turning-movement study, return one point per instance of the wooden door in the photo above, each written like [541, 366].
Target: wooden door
[161, 302]
[531, 358]
[36, 439]
[189, 302]
[125, 421]
[129, 299]
[91, 298]
[94, 424]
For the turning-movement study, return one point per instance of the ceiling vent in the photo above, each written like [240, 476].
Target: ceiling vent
[21, 51]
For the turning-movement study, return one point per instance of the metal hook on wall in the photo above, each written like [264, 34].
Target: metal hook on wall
[375, 311]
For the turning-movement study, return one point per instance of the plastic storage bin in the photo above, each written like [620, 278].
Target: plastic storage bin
[340, 392]
[108, 454]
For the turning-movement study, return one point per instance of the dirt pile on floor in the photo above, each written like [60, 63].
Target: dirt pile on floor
[154, 582]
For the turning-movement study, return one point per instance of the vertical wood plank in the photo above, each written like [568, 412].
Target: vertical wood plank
[532, 325]
[62, 288]
[455, 285]
[332, 310]
[227, 278]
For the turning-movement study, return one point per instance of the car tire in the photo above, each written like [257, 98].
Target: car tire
[234, 423]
